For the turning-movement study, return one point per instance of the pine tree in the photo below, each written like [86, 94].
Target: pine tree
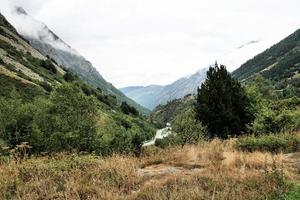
[222, 105]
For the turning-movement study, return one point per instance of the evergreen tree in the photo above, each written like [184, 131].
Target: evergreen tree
[222, 105]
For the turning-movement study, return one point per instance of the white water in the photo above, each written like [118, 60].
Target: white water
[160, 134]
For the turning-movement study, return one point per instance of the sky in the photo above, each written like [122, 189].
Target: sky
[143, 42]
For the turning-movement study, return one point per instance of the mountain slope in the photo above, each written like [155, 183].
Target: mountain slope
[280, 63]
[154, 95]
[33, 87]
[48, 43]
[164, 114]
[24, 66]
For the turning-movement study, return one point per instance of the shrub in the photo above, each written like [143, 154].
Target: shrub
[170, 140]
[273, 143]
[69, 76]
[127, 109]
[188, 130]
[1, 62]
[46, 86]
[47, 64]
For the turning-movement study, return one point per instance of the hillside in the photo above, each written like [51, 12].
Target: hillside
[280, 63]
[53, 109]
[154, 95]
[163, 114]
[49, 44]
[23, 65]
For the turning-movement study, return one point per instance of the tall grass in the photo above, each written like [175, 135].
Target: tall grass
[209, 170]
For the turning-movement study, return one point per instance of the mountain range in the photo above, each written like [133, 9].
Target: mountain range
[280, 64]
[49, 44]
[154, 95]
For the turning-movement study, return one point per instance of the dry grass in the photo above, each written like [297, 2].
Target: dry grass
[212, 170]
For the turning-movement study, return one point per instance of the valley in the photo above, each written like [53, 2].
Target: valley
[68, 133]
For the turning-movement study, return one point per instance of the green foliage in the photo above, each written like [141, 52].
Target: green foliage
[46, 86]
[64, 122]
[69, 76]
[222, 104]
[292, 194]
[27, 91]
[281, 60]
[273, 143]
[47, 64]
[187, 129]
[272, 115]
[164, 114]
[127, 109]
[122, 134]
[170, 140]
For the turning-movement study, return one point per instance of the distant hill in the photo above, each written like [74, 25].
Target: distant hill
[280, 63]
[154, 95]
[49, 44]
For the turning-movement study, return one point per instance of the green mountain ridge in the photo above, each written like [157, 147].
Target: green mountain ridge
[30, 80]
[70, 59]
[280, 63]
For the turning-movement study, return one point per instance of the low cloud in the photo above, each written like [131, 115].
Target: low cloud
[142, 42]
[28, 26]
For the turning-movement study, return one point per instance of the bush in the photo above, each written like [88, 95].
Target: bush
[170, 140]
[273, 143]
[47, 64]
[65, 121]
[46, 86]
[69, 76]
[127, 109]
[187, 129]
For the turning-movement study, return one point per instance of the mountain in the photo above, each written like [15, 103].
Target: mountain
[49, 44]
[280, 63]
[154, 95]
[23, 67]
[32, 85]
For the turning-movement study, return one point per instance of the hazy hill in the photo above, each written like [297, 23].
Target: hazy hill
[48, 43]
[154, 95]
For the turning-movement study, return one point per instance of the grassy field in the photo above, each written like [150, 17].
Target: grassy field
[209, 170]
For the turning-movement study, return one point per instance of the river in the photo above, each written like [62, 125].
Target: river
[161, 133]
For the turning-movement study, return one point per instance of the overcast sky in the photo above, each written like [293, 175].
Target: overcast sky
[142, 42]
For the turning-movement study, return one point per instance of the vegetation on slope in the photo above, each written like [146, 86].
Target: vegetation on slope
[280, 64]
[51, 109]
[164, 114]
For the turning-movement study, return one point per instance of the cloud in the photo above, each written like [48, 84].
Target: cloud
[141, 42]
[28, 26]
